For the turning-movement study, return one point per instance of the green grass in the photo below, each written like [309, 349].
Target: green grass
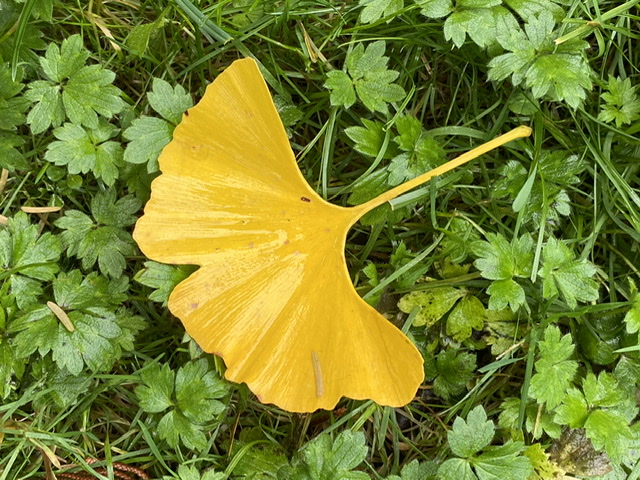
[530, 254]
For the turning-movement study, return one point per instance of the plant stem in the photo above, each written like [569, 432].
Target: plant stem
[518, 132]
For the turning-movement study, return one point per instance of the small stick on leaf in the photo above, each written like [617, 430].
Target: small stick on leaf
[62, 316]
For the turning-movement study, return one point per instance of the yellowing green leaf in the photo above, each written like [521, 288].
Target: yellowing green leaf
[432, 304]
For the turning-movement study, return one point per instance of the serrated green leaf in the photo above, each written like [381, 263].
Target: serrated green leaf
[87, 150]
[88, 93]
[478, 23]
[529, 9]
[105, 241]
[74, 90]
[163, 278]
[138, 39]
[156, 394]
[559, 73]
[370, 77]
[10, 157]
[326, 459]
[609, 430]
[503, 462]
[505, 293]
[415, 470]
[147, 137]
[435, 8]
[454, 370]
[169, 102]
[23, 249]
[632, 317]
[375, 9]
[73, 291]
[456, 469]
[554, 371]
[61, 62]
[433, 304]
[467, 438]
[368, 139]
[622, 103]
[48, 110]
[561, 77]
[573, 411]
[90, 342]
[561, 272]
[603, 391]
[342, 92]
[116, 213]
[376, 91]
[175, 428]
[197, 390]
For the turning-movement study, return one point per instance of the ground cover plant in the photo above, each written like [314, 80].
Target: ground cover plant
[516, 275]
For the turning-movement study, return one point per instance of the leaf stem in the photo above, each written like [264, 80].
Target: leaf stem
[518, 132]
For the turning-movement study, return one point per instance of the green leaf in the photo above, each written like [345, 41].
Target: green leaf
[622, 103]
[478, 23]
[103, 241]
[74, 90]
[458, 240]
[88, 93]
[529, 9]
[573, 411]
[192, 395]
[609, 431]
[505, 292]
[468, 315]
[169, 102]
[342, 92]
[501, 260]
[10, 157]
[138, 39]
[84, 150]
[632, 317]
[558, 72]
[456, 469]
[454, 370]
[175, 428]
[148, 135]
[503, 462]
[571, 277]
[433, 304]
[415, 470]
[48, 110]
[24, 250]
[554, 370]
[368, 139]
[376, 91]
[435, 8]
[156, 394]
[467, 438]
[371, 78]
[561, 76]
[325, 459]
[162, 278]
[12, 108]
[375, 9]
[198, 390]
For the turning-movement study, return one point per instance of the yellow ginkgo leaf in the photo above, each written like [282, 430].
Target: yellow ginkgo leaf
[273, 295]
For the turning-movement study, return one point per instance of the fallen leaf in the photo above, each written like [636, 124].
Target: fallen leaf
[273, 295]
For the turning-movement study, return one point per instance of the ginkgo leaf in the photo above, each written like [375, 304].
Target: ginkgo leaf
[273, 295]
